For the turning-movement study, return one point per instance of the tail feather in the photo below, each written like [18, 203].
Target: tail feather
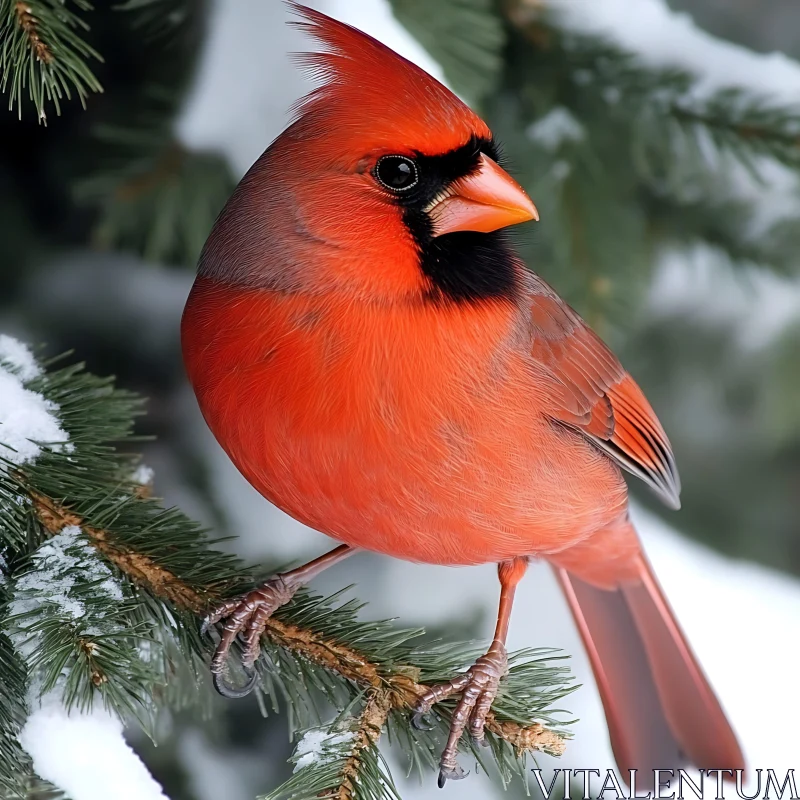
[661, 711]
[640, 736]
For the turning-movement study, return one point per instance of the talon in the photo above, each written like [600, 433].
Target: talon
[421, 721]
[231, 692]
[478, 688]
[457, 773]
[247, 617]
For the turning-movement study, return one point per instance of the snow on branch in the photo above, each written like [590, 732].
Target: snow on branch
[726, 99]
[60, 610]
[643, 128]
[26, 418]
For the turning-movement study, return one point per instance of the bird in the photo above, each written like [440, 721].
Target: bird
[375, 358]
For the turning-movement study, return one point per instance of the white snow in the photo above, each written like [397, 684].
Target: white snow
[56, 567]
[555, 128]
[81, 752]
[50, 581]
[27, 420]
[17, 357]
[85, 754]
[318, 746]
[143, 475]
[699, 283]
[664, 38]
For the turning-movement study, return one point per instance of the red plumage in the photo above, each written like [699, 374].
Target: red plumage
[378, 363]
[369, 94]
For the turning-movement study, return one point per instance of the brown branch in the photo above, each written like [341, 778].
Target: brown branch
[369, 727]
[142, 570]
[526, 738]
[30, 27]
[396, 690]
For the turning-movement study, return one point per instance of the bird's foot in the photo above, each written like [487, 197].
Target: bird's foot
[478, 688]
[246, 615]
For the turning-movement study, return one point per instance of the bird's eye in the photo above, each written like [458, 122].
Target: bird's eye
[397, 173]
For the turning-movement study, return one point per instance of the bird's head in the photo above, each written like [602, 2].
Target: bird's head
[386, 185]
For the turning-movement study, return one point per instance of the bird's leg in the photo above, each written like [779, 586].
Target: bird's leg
[478, 686]
[248, 615]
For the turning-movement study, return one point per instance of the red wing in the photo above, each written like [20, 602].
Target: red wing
[598, 398]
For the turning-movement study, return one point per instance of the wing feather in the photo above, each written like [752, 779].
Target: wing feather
[598, 398]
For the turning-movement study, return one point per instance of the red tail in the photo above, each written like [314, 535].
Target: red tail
[660, 708]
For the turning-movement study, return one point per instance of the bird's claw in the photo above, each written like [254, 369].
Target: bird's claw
[246, 615]
[232, 692]
[456, 773]
[478, 688]
[421, 721]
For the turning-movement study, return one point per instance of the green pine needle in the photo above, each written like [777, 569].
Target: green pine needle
[42, 54]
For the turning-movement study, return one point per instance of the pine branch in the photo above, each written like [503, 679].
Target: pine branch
[397, 686]
[43, 53]
[151, 194]
[745, 125]
[12, 716]
[390, 687]
[596, 79]
[369, 725]
[341, 760]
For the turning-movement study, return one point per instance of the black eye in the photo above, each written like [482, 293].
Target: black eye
[397, 173]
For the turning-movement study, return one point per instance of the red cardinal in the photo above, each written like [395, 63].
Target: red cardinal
[376, 360]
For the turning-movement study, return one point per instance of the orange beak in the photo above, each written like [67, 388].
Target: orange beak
[484, 201]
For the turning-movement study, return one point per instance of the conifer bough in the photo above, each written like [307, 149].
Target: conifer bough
[44, 55]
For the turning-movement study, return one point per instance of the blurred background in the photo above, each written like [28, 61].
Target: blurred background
[663, 152]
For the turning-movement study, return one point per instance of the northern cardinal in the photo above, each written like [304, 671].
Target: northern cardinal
[376, 360]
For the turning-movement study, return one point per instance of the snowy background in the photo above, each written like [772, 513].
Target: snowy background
[742, 618]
